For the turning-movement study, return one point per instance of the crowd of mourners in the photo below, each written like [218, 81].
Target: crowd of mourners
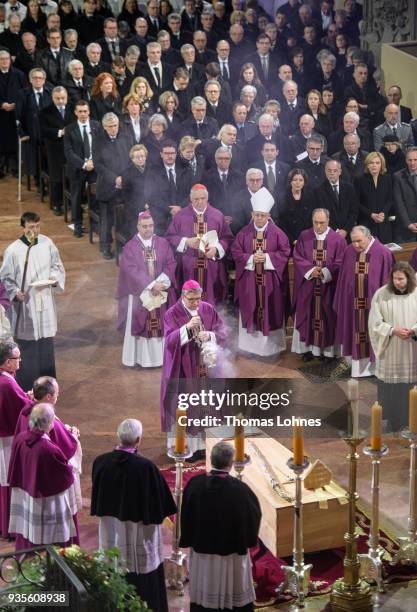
[141, 102]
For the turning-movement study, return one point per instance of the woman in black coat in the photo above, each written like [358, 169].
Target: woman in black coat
[393, 154]
[104, 97]
[295, 211]
[374, 191]
[133, 187]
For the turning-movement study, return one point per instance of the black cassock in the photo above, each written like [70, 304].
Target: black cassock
[129, 487]
[220, 515]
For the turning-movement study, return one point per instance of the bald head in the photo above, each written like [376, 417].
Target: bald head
[42, 417]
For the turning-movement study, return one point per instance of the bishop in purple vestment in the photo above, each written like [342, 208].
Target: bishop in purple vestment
[43, 505]
[147, 271]
[261, 251]
[207, 267]
[317, 257]
[192, 330]
[365, 268]
[12, 400]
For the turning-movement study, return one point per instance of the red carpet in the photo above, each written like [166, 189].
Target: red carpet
[327, 564]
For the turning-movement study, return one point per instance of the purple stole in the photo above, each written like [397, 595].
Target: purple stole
[317, 324]
[259, 246]
[154, 327]
[200, 272]
[361, 305]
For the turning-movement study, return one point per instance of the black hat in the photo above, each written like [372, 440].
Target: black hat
[390, 138]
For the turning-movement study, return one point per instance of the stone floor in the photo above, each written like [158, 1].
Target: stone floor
[97, 392]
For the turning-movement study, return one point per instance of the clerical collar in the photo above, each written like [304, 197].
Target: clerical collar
[126, 449]
[370, 244]
[399, 292]
[323, 235]
[146, 242]
[218, 473]
[260, 229]
[193, 313]
[199, 212]
[26, 241]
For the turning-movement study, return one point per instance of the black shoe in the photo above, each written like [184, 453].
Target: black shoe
[107, 254]
[307, 356]
[78, 232]
[84, 230]
[199, 455]
[57, 211]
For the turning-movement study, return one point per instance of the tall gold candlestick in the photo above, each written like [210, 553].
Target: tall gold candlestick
[350, 592]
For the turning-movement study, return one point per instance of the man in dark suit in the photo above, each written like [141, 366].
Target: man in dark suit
[111, 44]
[80, 138]
[203, 54]
[264, 61]
[298, 140]
[190, 17]
[72, 43]
[158, 75]
[394, 96]
[141, 37]
[338, 198]
[111, 160]
[222, 181]
[351, 158]
[184, 90]
[12, 81]
[77, 84]
[29, 103]
[55, 59]
[10, 38]
[405, 198]
[168, 190]
[89, 23]
[207, 23]
[265, 134]
[350, 126]
[94, 66]
[364, 90]
[292, 107]
[178, 37]
[275, 172]
[53, 120]
[195, 70]
[240, 46]
[154, 18]
[170, 55]
[199, 125]
[245, 130]
[241, 204]
[313, 163]
[229, 69]
[216, 108]
[227, 140]
[25, 59]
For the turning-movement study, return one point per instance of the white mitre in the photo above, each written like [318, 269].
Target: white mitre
[262, 201]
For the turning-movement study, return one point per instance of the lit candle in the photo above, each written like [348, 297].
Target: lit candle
[298, 444]
[412, 425]
[180, 431]
[239, 443]
[353, 395]
[376, 426]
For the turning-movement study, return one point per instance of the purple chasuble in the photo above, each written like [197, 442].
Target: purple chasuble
[12, 400]
[181, 362]
[211, 274]
[380, 260]
[59, 434]
[413, 260]
[275, 289]
[304, 293]
[38, 466]
[134, 277]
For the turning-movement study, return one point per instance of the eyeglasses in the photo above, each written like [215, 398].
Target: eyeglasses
[16, 358]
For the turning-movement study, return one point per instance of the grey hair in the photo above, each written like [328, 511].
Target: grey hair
[222, 455]
[352, 115]
[133, 50]
[108, 117]
[251, 171]
[333, 161]
[174, 17]
[70, 31]
[129, 431]
[317, 139]
[330, 58]
[266, 116]
[92, 46]
[272, 103]
[224, 127]
[351, 136]
[32, 72]
[41, 417]
[287, 83]
[158, 118]
[153, 45]
[198, 100]
[187, 47]
[73, 63]
[4, 53]
[248, 89]
[320, 210]
[222, 150]
[212, 82]
[59, 89]
[361, 228]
